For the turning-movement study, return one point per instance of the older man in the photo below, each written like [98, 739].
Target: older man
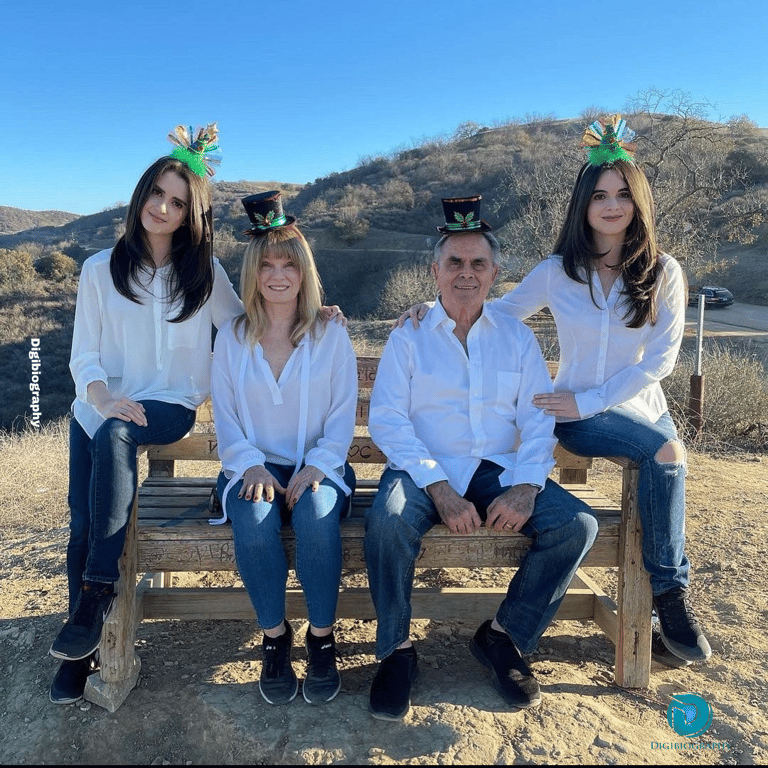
[452, 411]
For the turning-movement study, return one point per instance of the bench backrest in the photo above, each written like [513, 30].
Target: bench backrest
[201, 444]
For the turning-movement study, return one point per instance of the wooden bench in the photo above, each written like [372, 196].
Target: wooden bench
[169, 531]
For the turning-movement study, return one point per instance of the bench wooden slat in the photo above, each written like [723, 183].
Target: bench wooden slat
[439, 604]
[194, 545]
[203, 447]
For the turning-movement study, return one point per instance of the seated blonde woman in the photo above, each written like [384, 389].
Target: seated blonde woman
[284, 390]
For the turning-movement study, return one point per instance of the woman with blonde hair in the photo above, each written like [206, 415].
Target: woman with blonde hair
[284, 390]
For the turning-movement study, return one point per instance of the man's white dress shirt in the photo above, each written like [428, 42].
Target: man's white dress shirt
[437, 410]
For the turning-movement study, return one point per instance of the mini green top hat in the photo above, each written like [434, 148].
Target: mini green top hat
[265, 210]
[462, 215]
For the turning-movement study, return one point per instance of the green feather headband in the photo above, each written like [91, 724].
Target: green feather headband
[200, 153]
[608, 141]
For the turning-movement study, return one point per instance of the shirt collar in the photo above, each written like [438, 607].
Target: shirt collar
[437, 315]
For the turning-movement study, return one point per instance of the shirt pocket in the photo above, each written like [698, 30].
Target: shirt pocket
[507, 390]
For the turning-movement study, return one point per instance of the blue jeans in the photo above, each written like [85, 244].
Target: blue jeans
[562, 528]
[661, 492]
[102, 485]
[260, 555]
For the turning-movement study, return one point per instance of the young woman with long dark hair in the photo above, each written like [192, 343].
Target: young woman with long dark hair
[141, 353]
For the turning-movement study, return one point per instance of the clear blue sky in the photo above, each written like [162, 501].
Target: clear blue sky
[303, 88]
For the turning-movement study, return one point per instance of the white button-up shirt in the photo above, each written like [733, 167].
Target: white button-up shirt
[307, 414]
[601, 360]
[437, 410]
[133, 348]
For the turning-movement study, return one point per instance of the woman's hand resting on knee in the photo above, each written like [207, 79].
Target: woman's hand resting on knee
[111, 407]
[308, 477]
[259, 482]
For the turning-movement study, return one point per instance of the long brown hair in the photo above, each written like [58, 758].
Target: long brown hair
[191, 245]
[640, 265]
[289, 243]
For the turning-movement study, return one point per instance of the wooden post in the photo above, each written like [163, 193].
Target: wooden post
[120, 666]
[633, 647]
[696, 405]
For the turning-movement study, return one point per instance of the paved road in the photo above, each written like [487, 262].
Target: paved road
[742, 322]
[738, 316]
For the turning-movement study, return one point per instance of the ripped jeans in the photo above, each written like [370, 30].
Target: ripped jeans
[620, 432]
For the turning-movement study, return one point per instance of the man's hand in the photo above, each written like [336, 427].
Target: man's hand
[558, 404]
[511, 510]
[455, 511]
[415, 313]
[334, 313]
[308, 477]
[258, 482]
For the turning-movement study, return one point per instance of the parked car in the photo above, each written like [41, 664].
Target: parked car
[714, 296]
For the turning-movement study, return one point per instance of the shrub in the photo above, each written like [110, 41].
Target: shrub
[56, 266]
[16, 270]
[398, 193]
[229, 251]
[350, 227]
[735, 408]
[405, 286]
[316, 208]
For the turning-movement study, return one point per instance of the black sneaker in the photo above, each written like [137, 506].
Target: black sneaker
[81, 635]
[679, 627]
[322, 681]
[69, 683]
[510, 675]
[391, 688]
[278, 683]
[660, 652]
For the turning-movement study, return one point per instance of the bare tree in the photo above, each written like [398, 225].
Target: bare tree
[535, 191]
[702, 196]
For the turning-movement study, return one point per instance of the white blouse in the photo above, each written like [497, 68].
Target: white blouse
[602, 361]
[133, 349]
[307, 415]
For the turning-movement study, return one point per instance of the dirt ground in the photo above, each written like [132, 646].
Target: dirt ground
[197, 699]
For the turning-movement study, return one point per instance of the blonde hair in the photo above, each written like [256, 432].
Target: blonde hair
[283, 243]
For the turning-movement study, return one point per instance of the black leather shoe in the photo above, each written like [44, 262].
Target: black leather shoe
[81, 635]
[69, 683]
[679, 627]
[391, 688]
[510, 675]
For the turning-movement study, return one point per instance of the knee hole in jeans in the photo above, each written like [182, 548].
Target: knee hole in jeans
[671, 453]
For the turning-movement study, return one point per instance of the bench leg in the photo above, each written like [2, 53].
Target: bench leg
[633, 643]
[120, 666]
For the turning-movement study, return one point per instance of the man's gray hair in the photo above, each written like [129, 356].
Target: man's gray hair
[492, 241]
